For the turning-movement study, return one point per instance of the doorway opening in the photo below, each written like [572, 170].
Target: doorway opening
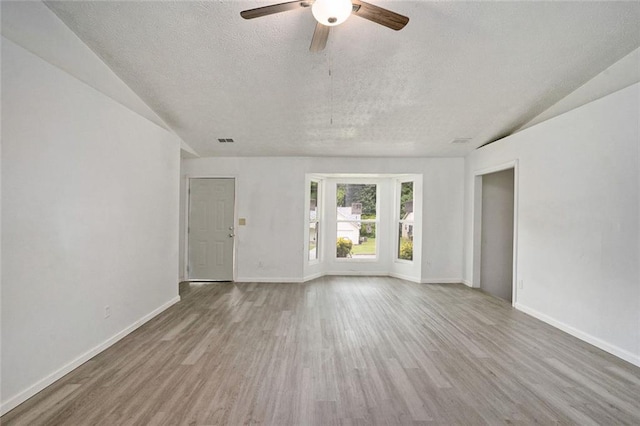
[495, 224]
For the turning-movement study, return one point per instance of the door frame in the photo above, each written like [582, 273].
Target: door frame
[185, 230]
[477, 224]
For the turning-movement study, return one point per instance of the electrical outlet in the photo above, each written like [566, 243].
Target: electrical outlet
[520, 284]
[107, 311]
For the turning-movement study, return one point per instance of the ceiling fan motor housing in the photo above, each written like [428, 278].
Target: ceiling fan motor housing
[331, 12]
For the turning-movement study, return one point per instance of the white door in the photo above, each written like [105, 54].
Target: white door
[211, 230]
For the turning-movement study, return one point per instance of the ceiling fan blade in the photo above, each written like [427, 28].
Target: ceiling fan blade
[274, 8]
[379, 15]
[320, 36]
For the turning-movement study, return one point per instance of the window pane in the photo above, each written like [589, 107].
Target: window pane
[356, 240]
[356, 201]
[313, 240]
[406, 201]
[405, 241]
[313, 202]
[405, 227]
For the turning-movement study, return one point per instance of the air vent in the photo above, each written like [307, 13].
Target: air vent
[225, 140]
[460, 140]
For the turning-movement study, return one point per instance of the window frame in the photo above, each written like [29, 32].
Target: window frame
[318, 220]
[399, 222]
[375, 221]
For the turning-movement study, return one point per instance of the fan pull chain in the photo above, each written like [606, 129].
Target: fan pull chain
[331, 85]
[331, 89]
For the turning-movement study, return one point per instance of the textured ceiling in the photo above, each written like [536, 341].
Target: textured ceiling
[474, 70]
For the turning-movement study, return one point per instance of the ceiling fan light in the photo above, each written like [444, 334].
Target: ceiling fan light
[331, 12]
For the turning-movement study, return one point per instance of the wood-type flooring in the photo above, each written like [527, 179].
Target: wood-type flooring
[341, 350]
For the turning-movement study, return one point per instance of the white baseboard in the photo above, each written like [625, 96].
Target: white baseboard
[404, 277]
[348, 273]
[468, 283]
[21, 397]
[267, 280]
[441, 281]
[358, 273]
[595, 341]
[312, 277]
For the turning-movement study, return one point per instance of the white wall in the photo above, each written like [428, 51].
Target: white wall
[32, 25]
[89, 219]
[271, 196]
[621, 74]
[496, 272]
[578, 228]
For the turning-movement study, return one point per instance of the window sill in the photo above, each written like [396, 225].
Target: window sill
[351, 260]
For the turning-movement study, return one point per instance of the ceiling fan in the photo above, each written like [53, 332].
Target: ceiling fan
[330, 13]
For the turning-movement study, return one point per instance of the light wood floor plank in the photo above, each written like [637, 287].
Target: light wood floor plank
[341, 351]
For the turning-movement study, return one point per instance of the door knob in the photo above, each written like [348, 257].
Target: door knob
[232, 235]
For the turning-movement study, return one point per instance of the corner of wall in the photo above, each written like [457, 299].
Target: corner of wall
[575, 332]
[15, 400]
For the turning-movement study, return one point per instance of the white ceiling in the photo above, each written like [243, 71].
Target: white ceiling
[474, 70]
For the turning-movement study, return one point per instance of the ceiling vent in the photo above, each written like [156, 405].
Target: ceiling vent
[458, 141]
[225, 140]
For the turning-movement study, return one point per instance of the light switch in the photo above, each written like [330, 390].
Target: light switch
[242, 221]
